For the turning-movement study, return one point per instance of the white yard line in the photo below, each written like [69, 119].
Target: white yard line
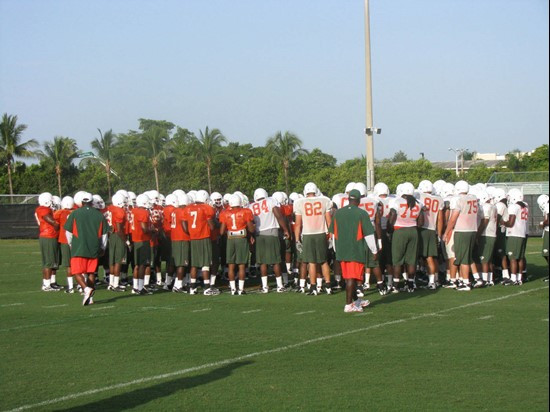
[264, 352]
[486, 317]
[201, 310]
[56, 306]
[7, 305]
[304, 313]
[252, 311]
[103, 307]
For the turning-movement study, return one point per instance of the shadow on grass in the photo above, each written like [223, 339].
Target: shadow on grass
[142, 396]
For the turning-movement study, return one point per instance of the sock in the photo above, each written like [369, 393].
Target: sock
[70, 282]
[241, 284]
[169, 279]
[207, 283]
[405, 276]
[476, 276]
[85, 278]
[46, 283]
[52, 279]
[146, 280]
[179, 283]
[141, 283]
[431, 278]
[490, 276]
[338, 278]
[302, 283]
[505, 274]
[188, 279]
[111, 280]
[448, 276]
[159, 277]
[466, 281]
[520, 276]
[232, 284]
[213, 279]
[484, 276]
[319, 282]
[288, 267]
[136, 283]
[115, 280]
[514, 277]
[390, 280]
[285, 278]
[264, 281]
[279, 281]
[193, 283]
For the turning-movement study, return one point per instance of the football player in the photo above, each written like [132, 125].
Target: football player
[171, 203]
[116, 218]
[487, 234]
[60, 216]
[238, 224]
[180, 242]
[268, 219]
[142, 232]
[542, 201]
[516, 228]
[48, 229]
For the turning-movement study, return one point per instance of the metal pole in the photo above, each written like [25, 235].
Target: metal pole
[368, 87]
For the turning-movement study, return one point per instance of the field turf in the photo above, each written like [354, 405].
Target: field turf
[431, 350]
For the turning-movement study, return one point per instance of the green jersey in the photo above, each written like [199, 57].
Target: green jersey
[88, 226]
[350, 225]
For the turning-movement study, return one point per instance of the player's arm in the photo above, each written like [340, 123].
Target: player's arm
[451, 226]
[298, 227]
[223, 229]
[328, 217]
[120, 231]
[420, 219]
[282, 221]
[211, 223]
[511, 221]
[51, 221]
[392, 217]
[482, 226]
[251, 226]
[440, 223]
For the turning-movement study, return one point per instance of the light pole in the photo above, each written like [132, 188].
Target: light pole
[457, 153]
[369, 129]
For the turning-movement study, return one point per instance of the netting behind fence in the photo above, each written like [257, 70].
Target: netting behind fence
[17, 221]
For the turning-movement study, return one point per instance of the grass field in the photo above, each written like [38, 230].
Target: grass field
[439, 350]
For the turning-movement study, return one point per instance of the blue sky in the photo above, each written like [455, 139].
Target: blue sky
[446, 73]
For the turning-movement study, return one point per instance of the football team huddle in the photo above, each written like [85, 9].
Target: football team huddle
[439, 234]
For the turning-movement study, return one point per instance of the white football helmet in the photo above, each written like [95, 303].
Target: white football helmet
[515, 196]
[293, 197]
[118, 200]
[97, 202]
[177, 192]
[143, 201]
[122, 192]
[483, 196]
[425, 186]
[132, 198]
[67, 203]
[153, 196]
[278, 196]
[202, 196]
[246, 202]
[235, 200]
[399, 190]
[162, 200]
[437, 186]
[172, 200]
[447, 190]
[45, 199]
[407, 188]
[542, 200]
[82, 197]
[216, 198]
[462, 187]
[361, 187]
[381, 189]
[184, 199]
[349, 187]
[310, 188]
[260, 194]
[56, 202]
[226, 197]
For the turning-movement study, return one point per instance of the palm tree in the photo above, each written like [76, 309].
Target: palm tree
[155, 142]
[11, 144]
[206, 149]
[285, 148]
[61, 152]
[103, 148]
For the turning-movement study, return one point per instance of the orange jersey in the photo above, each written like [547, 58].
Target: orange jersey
[115, 215]
[167, 219]
[139, 216]
[157, 216]
[60, 217]
[197, 217]
[128, 226]
[177, 233]
[236, 219]
[287, 210]
[45, 229]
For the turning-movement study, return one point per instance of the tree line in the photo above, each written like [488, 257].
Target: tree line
[164, 156]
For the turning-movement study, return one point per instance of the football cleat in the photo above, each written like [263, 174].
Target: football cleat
[69, 290]
[55, 286]
[328, 291]
[431, 286]
[361, 303]
[351, 308]
[490, 283]
[178, 290]
[359, 292]
[450, 285]
[382, 289]
[313, 292]
[264, 289]
[193, 291]
[242, 292]
[479, 284]
[233, 292]
[463, 287]
[410, 287]
[146, 291]
[301, 290]
[392, 289]
[506, 282]
[49, 289]
[518, 283]
[281, 290]
[136, 291]
[88, 297]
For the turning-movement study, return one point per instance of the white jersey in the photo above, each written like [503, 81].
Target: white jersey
[502, 210]
[431, 205]
[264, 218]
[385, 205]
[520, 225]
[490, 212]
[369, 205]
[313, 211]
[468, 207]
[405, 217]
[340, 200]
